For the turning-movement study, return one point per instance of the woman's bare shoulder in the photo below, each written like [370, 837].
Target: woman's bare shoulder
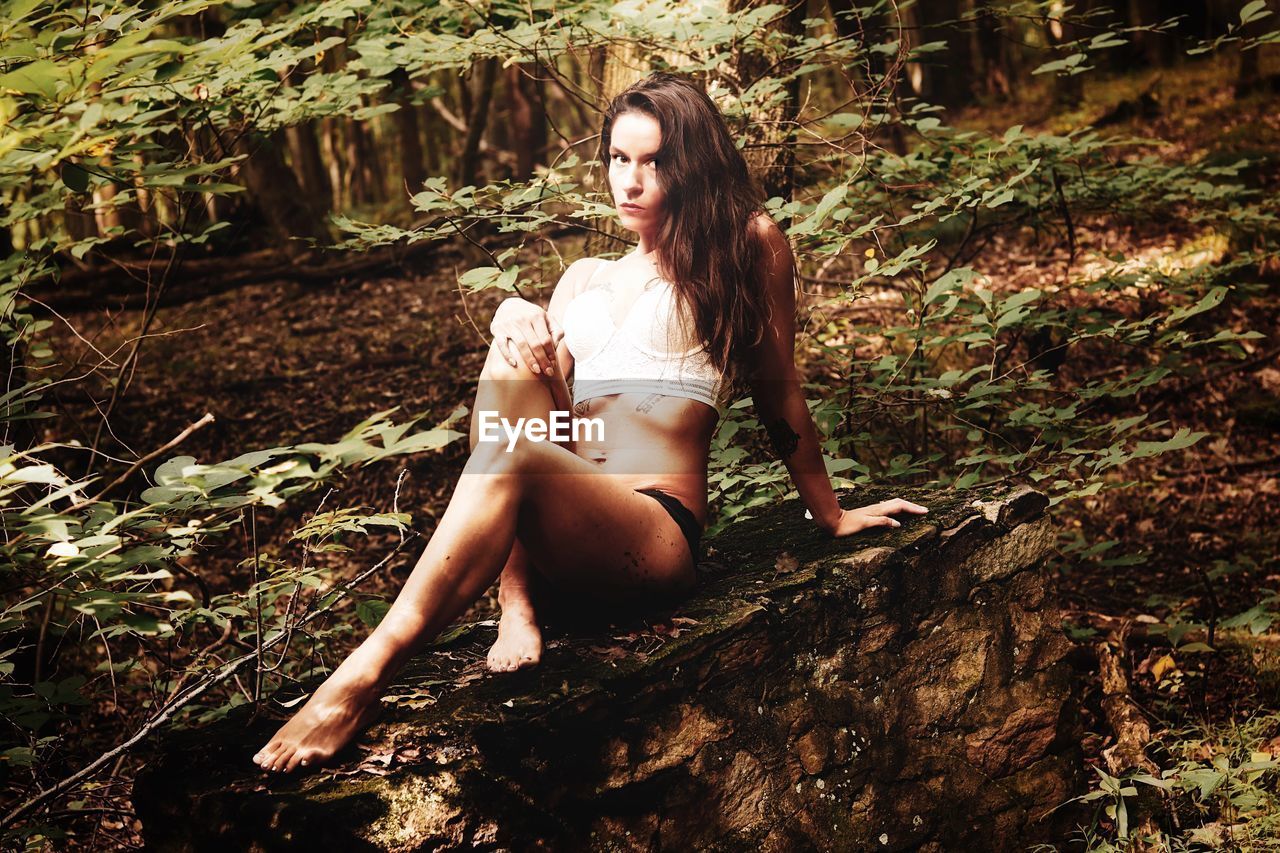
[763, 227]
[572, 282]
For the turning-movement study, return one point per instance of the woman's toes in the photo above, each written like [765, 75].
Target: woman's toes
[264, 755]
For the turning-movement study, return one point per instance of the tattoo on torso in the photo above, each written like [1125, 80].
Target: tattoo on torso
[783, 438]
[582, 408]
[646, 405]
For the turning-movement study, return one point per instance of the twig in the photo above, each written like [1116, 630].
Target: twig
[1066, 217]
[169, 445]
[257, 609]
[179, 702]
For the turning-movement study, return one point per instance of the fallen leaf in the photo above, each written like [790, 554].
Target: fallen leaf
[609, 652]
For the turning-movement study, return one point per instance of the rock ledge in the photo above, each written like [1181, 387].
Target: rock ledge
[901, 690]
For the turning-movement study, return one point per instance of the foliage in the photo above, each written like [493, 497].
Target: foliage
[1222, 788]
[143, 118]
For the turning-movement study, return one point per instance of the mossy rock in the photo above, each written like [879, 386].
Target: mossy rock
[895, 690]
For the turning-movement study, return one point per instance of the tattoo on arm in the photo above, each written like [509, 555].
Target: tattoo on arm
[783, 438]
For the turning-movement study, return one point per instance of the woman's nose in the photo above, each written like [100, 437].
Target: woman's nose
[631, 179]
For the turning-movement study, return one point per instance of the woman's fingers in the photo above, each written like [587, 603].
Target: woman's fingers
[898, 505]
[527, 345]
[538, 351]
[546, 337]
[507, 347]
[532, 343]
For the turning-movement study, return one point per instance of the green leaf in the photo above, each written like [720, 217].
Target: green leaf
[75, 178]
[1253, 11]
[947, 283]
[1181, 440]
[371, 611]
[35, 78]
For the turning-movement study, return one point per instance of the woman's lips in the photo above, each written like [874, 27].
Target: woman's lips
[631, 207]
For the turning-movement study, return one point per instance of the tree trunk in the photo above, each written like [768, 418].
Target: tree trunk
[360, 157]
[1068, 90]
[80, 221]
[528, 125]
[946, 76]
[477, 119]
[437, 159]
[770, 131]
[304, 148]
[331, 148]
[1248, 76]
[413, 170]
[992, 54]
[274, 187]
[1157, 50]
[853, 20]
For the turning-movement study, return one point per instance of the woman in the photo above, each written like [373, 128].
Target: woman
[612, 518]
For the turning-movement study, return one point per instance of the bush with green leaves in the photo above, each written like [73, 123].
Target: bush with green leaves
[1220, 787]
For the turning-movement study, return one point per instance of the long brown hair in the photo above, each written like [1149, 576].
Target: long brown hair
[705, 246]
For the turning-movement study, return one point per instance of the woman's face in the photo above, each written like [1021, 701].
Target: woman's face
[633, 171]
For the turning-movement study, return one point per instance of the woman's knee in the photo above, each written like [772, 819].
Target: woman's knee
[506, 454]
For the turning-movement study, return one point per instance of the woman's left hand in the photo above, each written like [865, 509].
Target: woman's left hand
[875, 515]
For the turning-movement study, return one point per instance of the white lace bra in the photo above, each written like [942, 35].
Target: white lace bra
[647, 353]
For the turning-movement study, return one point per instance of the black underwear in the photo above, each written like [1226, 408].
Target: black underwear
[683, 516]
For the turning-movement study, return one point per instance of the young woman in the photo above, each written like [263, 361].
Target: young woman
[703, 305]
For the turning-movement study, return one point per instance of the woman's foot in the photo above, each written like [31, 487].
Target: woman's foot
[343, 705]
[519, 642]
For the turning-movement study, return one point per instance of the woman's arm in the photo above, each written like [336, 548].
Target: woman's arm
[566, 290]
[527, 333]
[781, 407]
[775, 387]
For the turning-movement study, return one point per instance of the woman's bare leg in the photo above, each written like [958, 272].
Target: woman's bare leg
[519, 642]
[571, 518]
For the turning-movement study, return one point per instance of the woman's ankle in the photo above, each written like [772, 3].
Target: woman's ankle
[517, 605]
[376, 661]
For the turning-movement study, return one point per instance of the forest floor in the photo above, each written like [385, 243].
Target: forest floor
[278, 363]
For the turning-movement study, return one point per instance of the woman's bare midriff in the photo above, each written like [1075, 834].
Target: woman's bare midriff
[653, 441]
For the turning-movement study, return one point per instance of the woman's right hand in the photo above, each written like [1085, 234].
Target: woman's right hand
[526, 334]
[876, 515]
